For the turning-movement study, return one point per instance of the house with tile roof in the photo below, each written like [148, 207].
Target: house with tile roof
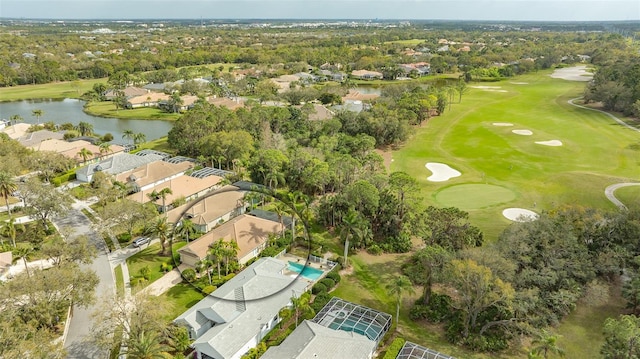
[235, 317]
[366, 75]
[249, 232]
[184, 186]
[152, 174]
[216, 208]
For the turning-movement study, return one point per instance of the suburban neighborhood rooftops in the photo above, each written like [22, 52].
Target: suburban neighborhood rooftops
[341, 329]
[152, 172]
[182, 186]
[152, 152]
[226, 102]
[16, 131]
[117, 164]
[127, 92]
[210, 171]
[236, 318]
[32, 139]
[209, 209]
[247, 231]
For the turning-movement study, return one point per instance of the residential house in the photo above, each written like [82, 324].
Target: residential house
[414, 351]
[4, 124]
[319, 112]
[152, 174]
[33, 139]
[17, 130]
[231, 104]
[115, 165]
[127, 92]
[366, 75]
[284, 82]
[354, 95]
[334, 76]
[73, 149]
[419, 68]
[218, 207]
[186, 187]
[235, 317]
[151, 99]
[6, 259]
[249, 232]
[341, 329]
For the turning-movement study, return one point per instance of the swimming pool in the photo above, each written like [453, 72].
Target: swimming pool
[307, 272]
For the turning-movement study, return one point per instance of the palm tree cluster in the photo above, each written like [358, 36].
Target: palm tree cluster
[223, 251]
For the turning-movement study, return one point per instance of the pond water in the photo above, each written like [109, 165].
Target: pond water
[70, 110]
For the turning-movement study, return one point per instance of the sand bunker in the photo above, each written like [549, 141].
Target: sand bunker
[553, 143]
[441, 172]
[519, 83]
[523, 132]
[519, 214]
[502, 124]
[495, 90]
[576, 73]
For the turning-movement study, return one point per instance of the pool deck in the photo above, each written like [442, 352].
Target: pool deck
[290, 257]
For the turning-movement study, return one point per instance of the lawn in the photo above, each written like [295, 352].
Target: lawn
[515, 170]
[56, 90]
[108, 109]
[119, 280]
[180, 297]
[630, 196]
[148, 256]
[581, 331]
[159, 144]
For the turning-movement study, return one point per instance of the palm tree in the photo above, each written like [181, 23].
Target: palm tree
[37, 113]
[155, 195]
[300, 305]
[546, 343]
[161, 229]
[349, 229]
[205, 265]
[139, 138]
[11, 230]
[7, 186]
[128, 134]
[399, 286]
[281, 209]
[85, 129]
[216, 253]
[105, 148]
[230, 251]
[186, 228]
[15, 119]
[85, 154]
[147, 346]
[23, 253]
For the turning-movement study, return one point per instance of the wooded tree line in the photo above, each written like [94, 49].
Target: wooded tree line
[101, 55]
[531, 278]
[616, 83]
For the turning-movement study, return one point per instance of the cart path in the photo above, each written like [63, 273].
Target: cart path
[609, 192]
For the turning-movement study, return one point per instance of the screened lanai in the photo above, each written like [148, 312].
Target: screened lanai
[414, 351]
[339, 314]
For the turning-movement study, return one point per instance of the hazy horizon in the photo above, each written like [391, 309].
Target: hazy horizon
[454, 10]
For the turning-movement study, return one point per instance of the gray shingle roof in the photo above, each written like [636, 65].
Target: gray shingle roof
[119, 163]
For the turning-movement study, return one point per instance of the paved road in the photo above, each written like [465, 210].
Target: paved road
[78, 341]
[609, 192]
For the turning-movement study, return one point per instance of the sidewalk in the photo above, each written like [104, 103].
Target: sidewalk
[19, 267]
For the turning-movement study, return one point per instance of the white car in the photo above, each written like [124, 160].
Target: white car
[140, 241]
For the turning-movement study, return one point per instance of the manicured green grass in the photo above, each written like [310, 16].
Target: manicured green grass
[108, 109]
[473, 196]
[595, 151]
[56, 90]
[581, 332]
[148, 257]
[119, 281]
[180, 297]
[159, 144]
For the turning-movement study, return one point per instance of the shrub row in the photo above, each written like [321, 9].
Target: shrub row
[394, 349]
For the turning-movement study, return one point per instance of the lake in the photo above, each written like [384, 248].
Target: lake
[70, 110]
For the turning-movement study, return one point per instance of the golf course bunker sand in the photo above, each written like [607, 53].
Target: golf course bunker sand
[519, 215]
[471, 196]
[553, 143]
[519, 83]
[485, 87]
[441, 172]
[523, 132]
[576, 73]
[503, 124]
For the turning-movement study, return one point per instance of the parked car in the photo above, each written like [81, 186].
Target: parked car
[140, 241]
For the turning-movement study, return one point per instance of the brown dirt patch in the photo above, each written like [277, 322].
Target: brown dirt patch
[387, 157]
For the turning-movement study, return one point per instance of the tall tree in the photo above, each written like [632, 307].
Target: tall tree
[147, 345]
[139, 138]
[85, 154]
[216, 253]
[300, 305]
[7, 187]
[477, 291]
[37, 113]
[162, 228]
[23, 253]
[545, 343]
[43, 201]
[621, 338]
[128, 134]
[399, 286]
[15, 119]
[426, 265]
[85, 128]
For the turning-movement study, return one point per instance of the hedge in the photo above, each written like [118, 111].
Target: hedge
[394, 348]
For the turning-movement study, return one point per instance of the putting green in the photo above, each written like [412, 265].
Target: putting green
[474, 196]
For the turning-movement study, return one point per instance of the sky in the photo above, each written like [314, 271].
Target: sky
[506, 10]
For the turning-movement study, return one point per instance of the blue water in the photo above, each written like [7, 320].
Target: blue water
[307, 272]
[369, 330]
